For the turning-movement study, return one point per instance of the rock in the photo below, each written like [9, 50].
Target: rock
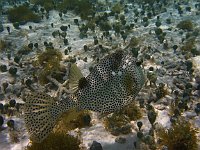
[1, 106]
[12, 81]
[63, 28]
[96, 146]
[139, 124]
[3, 68]
[86, 119]
[12, 70]
[120, 140]
[2, 96]
[17, 59]
[11, 123]
[4, 85]
[190, 115]
[164, 148]
[160, 107]
[140, 135]
[1, 27]
[1, 121]
[152, 116]
[165, 101]
[196, 63]
[125, 129]
[161, 72]
[12, 103]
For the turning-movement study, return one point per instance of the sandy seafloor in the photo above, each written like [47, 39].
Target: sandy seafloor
[43, 32]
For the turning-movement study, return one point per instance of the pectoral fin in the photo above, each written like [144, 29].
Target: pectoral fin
[74, 76]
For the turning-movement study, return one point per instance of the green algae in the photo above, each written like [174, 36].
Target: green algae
[22, 14]
[185, 25]
[49, 60]
[117, 124]
[117, 8]
[72, 120]
[132, 111]
[56, 141]
[179, 136]
[47, 4]
[84, 8]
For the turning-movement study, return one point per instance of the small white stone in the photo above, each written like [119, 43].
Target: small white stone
[124, 66]
[119, 73]
[113, 73]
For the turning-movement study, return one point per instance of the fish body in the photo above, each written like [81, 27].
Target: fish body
[112, 84]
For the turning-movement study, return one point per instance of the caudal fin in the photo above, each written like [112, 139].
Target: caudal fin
[41, 112]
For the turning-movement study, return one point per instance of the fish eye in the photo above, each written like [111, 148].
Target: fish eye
[82, 83]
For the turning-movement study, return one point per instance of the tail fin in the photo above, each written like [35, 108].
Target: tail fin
[41, 112]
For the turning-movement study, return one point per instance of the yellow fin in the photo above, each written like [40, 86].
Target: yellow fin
[74, 76]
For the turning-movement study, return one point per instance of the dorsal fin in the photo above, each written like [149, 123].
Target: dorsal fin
[74, 76]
